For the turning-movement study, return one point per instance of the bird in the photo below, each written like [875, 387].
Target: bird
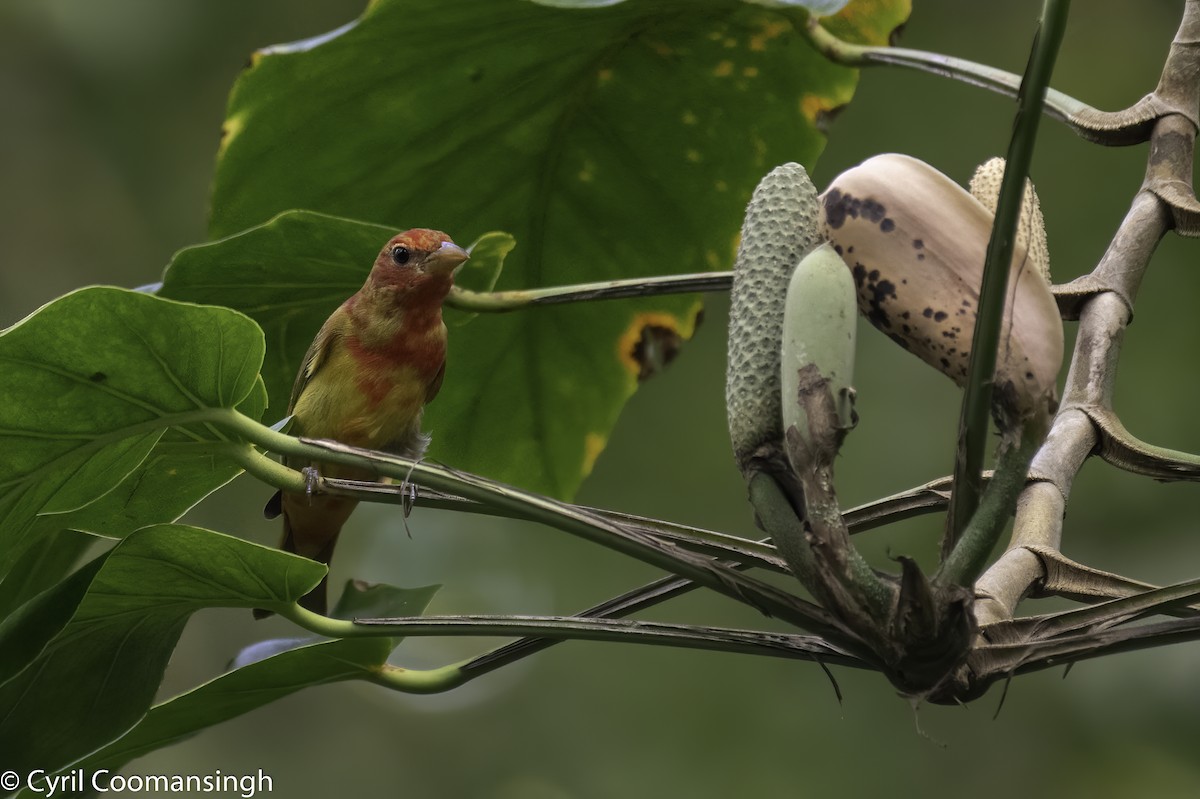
[365, 380]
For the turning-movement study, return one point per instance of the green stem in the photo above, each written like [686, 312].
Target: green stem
[841, 578]
[558, 628]
[499, 301]
[625, 631]
[1059, 106]
[778, 519]
[974, 421]
[268, 470]
[968, 558]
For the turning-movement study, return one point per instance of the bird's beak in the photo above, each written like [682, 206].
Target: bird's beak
[446, 259]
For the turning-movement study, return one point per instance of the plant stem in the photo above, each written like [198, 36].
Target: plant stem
[499, 301]
[714, 639]
[705, 571]
[967, 560]
[974, 420]
[697, 539]
[1057, 105]
[558, 628]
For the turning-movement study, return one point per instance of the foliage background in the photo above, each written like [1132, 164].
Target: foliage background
[112, 118]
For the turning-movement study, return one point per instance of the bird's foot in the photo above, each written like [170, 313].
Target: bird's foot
[312, 480]
[408, 492]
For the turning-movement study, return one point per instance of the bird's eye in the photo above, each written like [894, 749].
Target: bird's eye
[401, 255]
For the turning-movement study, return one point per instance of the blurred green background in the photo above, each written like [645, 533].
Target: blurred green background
[111, 118]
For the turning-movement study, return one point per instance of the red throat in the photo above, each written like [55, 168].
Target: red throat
[411, 346]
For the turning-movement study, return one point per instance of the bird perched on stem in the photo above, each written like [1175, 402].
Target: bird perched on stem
[364, 381]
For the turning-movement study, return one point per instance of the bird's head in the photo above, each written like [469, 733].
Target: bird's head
[417, 260]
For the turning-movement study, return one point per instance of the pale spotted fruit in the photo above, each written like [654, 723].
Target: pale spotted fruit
[915, 241]
[780, 228]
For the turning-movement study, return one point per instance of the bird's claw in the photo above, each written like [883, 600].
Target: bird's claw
[312, 479]
[409, 493]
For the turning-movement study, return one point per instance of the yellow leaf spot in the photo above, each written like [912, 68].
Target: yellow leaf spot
[652, 340]
[760, 148]
[721, 185]
[593, 445]
[771, 29]
[814, 105]
[689, 118]
[729, 43]
[587, 172]
[750, 72]
[694, 156]
[723, 69]
[712, 259]
[661, 48]
[604, 76]
[229, 131]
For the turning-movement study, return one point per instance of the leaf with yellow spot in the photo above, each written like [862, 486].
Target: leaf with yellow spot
[611, 139]
[593, 445]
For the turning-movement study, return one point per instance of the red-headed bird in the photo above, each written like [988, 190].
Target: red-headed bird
[364, 381]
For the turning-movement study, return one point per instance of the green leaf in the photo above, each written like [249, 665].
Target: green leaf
[269, 674]
[481, 273]
[241, 691]
[93, 648]
[26, 632]
[124, 442]
[611, 142]
[42, 566]
[378, 600]
[176, 474]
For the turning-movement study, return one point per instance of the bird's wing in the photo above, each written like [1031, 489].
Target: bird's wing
[435, 385]
[315, 358]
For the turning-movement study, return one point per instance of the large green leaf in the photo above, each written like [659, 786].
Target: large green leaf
[84, 659]
[241, 691]
[41, 566]
[610, 141]
[290, 667]
[101, 397]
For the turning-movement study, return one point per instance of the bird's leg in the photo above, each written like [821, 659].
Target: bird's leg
[408, 491]
[312, 480]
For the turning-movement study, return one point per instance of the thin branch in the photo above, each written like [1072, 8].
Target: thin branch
[716, 639]
[1116, 128]
[711, 574]
[500, 301]
[696, 539]
[1006, 659]
[1104, 615]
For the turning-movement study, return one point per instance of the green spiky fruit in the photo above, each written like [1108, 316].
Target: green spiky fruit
[781, 226]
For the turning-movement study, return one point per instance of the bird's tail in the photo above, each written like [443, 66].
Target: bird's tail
[311, 527]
